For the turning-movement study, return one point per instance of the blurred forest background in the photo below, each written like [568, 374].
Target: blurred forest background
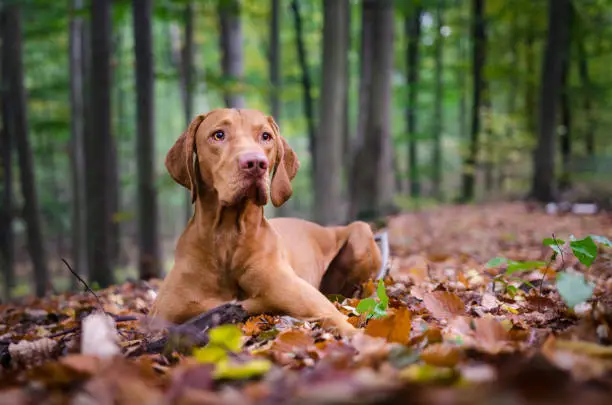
[390, 105]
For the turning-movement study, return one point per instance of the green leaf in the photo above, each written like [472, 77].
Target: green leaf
[573, 288]
[210, 354]
[237, 371]
[381, 292]
[602, 240]
[554, 244]
[512, 290]
[226, 336]
[380, 311]
[366, 305]
[497, 261]
[514, 266]
[552, 241]
[585, 250]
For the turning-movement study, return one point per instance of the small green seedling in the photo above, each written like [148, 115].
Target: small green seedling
[373, 308]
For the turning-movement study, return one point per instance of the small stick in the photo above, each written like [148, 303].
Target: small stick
[87, 288]
[550, 262]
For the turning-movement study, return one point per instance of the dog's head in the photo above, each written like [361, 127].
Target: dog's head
[238, 153]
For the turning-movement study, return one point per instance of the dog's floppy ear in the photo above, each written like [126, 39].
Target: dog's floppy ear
[286, 167]
[180, 161]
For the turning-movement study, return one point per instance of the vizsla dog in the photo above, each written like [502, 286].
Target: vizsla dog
[231, 160]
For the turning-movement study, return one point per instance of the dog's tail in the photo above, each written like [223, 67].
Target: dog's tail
[382, 239]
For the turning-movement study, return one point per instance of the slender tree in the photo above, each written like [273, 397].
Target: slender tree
[17, 128]
[6, 212]
[77, 122]
[478, 60]
[187, 80]
[231, 50]
[328, 147]
[306, 81]
[557, 45]
[438, 120]
[99, 146]
[372, 177]
[412, 26]
[587, 90]
[149, 262]
[566, 113]
[6, 176]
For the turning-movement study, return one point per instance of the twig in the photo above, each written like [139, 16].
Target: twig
[118, 318]
[87, 288]
[550, 262]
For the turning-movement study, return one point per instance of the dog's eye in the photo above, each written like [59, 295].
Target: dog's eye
[218, 135]
[266, 137]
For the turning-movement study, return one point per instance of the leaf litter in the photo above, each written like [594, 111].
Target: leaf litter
[475, 310]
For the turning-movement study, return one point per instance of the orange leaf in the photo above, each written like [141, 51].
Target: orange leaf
[444, 304]
[441, 355]
[463, 279]
[394, 328]
[291, 341]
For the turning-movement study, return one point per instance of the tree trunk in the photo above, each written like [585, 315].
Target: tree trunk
[478, 61]
[365, 74]
[587, 93]
[514, 84]
[412, 26]
[149, 262]
[18, 131]
[187, 83]
[328, 152]
[566, 111]
[231, 51]
[557, 45]
[77, 120]
[306, 82]
[438, 108]
[98, 148]
[373, 164]
[7, 257]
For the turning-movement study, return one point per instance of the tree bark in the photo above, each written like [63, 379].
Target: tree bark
[98, 148]
[478, 61]
[557, 45]
[439, 101]
[328, 152]
[587, 93]
[372, 191]
[187, 82]
[7, 257]
[231, 51]
[412, 26]
[18, 131]
[148, 244]
[306, 82]
[77, 120]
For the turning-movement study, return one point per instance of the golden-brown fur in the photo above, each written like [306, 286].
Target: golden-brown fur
[230, 251]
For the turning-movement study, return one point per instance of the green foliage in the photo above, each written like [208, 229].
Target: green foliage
[225, 340]
[375, 308]
[573, 288]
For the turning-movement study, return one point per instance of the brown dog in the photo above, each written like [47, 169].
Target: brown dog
[231, 160]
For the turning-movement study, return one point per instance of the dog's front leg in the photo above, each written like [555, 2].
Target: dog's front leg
[282, 291]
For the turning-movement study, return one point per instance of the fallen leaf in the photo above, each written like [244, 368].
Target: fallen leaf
[443, 304]
[394, 328]
[441, 355]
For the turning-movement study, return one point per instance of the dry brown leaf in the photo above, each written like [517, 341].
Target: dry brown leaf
[292, 340]
[395, 327]
[443, 304]
[441, 355]
[489, 301]
[490, 334]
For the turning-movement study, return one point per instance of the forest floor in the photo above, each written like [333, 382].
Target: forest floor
[474, 311]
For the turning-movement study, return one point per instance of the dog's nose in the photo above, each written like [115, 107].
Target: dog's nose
[254, 163]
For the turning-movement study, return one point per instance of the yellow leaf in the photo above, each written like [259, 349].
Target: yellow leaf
[426, 373]
[237, 371]
[227, 336]
[210, 354]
